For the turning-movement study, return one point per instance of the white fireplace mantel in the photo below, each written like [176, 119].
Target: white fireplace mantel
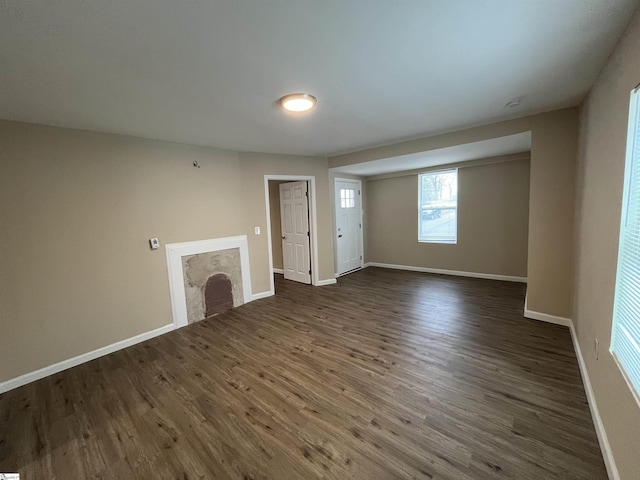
[175, 252]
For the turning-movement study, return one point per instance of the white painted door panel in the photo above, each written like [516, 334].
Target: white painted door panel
[294, 212]
[348, 226]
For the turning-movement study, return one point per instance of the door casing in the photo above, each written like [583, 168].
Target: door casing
[313, 225]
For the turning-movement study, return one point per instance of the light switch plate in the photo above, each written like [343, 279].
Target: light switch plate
[154, 243]
[257, 230]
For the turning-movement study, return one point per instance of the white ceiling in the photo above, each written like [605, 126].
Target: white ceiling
[209, 72]
[494, 147]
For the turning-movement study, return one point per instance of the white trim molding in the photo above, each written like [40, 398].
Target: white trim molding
[457, 273]
[85, 357]
[265, 294]
[175, 252]
[313, 224]
[328, 281]
[278, 270]
[544, 317]
[601, 433]
[603, 439]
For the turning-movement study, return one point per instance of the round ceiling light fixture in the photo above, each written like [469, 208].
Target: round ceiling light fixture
[298, 102]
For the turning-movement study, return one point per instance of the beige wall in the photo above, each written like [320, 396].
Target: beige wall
[551, 196]
[253, 167]
[601, 159]
[493, 212]
[76, 212]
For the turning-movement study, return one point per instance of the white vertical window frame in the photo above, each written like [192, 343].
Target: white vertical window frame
[438, 211]
[625, 335]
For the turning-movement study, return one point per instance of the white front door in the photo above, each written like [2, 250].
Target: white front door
[348, 225]
[294, 213]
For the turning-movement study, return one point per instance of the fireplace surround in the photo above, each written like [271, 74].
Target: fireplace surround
[207, 277]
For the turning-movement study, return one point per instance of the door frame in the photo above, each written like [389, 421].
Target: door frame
[335, 221]
[313, 224]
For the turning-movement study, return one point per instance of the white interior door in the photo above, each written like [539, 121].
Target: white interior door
[294, 213]
[348, 225]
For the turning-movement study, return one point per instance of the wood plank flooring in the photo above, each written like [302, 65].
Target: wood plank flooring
[385, 375]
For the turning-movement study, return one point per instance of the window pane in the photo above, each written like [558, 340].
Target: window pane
[625, 339]
[347, 198]
[438, 207]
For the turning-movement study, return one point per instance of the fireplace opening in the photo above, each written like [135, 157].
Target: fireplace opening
[218, 294]
[215, 277]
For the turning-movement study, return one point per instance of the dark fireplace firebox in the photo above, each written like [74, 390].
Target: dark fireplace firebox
[218, 294]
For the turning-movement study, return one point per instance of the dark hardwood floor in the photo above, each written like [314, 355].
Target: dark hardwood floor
[385, 375]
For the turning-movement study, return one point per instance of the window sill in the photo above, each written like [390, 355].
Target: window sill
[634, 392]
[444, 242]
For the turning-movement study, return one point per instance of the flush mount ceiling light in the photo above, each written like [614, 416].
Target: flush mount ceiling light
[298, 102]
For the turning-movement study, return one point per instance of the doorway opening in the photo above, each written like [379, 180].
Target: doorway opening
[295, 246]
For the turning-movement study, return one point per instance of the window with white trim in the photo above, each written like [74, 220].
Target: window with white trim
[347, 198]
[438, 207]
[625, 335]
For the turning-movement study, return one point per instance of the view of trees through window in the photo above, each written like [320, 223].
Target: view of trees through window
[438, 205]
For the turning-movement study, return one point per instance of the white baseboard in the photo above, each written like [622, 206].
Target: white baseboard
[544, 317]
[278, 270]
[85, 357]
[258, 296]
[457, 273]
[609, 461]
[603, 440]
[329, 281]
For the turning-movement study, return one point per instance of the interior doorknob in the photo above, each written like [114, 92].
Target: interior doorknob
[340, 236]
[284, 237]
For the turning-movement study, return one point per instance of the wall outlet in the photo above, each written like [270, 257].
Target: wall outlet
[596, 348]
